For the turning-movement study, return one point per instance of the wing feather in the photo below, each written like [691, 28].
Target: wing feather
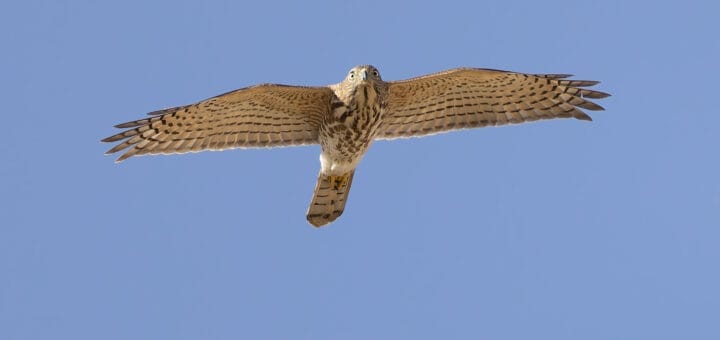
[469, 98]
[265, 115]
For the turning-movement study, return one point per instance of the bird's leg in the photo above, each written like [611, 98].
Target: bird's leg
[339, 182]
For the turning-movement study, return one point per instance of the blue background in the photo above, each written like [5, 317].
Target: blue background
[553, 230]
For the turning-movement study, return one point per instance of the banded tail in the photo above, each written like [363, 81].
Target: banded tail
[328, 202]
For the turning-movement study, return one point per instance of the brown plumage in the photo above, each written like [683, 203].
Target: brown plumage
[347, 117]
[260, 116]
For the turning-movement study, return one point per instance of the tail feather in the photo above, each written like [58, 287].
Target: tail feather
[328, 202]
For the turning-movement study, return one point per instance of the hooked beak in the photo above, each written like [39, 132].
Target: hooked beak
[363, 75]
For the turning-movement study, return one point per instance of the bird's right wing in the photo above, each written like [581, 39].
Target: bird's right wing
[266, 115]
[468, 98]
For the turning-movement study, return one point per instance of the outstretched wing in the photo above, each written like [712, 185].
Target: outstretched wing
[469, 98]
[260, 116]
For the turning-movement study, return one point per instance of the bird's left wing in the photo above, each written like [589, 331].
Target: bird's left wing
[267, 115]
[468, 98]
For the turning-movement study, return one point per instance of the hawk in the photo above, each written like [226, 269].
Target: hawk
[345, 118]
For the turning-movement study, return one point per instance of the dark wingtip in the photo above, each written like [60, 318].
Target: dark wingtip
[582, 116]
[556, 76]
[126, 125]
[585, 93]
[123, 157]
[113, 138]
[158, 112]
[590, 106]
[581, 83]
[602, 94]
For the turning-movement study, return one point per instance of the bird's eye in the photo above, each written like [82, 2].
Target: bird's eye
[376, 73]
[351, 75]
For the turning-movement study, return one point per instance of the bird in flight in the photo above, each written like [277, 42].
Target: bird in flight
[345, 118]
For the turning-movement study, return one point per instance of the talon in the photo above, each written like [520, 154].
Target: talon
[338, 182]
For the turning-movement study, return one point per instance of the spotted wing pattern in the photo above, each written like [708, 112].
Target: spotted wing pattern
[469, 98]
[266, 115]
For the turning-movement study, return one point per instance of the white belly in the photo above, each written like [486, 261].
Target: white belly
[331, 166]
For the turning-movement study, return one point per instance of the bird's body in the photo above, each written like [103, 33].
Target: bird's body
[357, 111]
[347, 117]
[345, 135]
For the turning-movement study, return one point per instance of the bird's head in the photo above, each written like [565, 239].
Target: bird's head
[363, 83]
[363, 74]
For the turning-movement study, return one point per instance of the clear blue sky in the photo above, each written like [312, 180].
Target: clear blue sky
[558, 229]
